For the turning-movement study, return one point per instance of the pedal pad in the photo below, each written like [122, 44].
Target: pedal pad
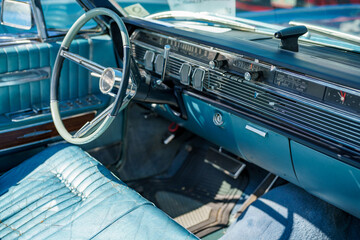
[224, 162]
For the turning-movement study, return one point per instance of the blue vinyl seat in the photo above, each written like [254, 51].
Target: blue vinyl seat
[63, 193]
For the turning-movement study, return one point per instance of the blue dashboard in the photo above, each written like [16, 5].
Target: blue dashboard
[285, 117]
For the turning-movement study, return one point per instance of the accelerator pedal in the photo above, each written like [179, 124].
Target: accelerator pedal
[224, 162]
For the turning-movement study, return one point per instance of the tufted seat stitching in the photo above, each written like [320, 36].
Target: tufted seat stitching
[43, 204]
[7, 226]
[65, 209]
[133, 209]
[30, 221]
[17, 202]
[73, 219]
[24, 201]
[60, 209]
[33, 203]
[84, 172]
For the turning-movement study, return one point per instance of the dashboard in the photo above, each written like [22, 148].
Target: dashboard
[295, 114]
[328, 113]
[338, 96]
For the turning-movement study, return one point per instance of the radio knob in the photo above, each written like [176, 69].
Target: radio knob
[252, 76]
[217, 63]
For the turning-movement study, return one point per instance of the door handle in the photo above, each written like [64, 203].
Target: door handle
[24, 76]
[257, 131]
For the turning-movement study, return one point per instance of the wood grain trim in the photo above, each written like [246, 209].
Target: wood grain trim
[42, 132]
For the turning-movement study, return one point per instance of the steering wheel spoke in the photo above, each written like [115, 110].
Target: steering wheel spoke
[86, 63]
[84, 130]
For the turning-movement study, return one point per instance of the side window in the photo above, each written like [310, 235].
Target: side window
[60, 15]
[6, 31]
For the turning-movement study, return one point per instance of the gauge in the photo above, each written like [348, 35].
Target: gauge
[244, 65]
[335, 96]
[284, 80]
[343, 98]
[299, 85]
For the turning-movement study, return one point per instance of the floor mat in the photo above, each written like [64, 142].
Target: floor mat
[287, 213]
[199, 197]
[107, 155]
[145, 155]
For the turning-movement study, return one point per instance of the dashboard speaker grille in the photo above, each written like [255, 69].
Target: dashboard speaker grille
[302, 115]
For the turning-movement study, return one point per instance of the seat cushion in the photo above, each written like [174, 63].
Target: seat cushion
[63, 193]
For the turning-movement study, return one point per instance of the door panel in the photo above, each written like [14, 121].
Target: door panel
[75, 81]
[24, 89]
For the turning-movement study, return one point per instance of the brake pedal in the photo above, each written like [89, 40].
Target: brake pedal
[224, 162]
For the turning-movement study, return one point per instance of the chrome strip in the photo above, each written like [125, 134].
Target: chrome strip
[34, 134]
[263, 86]
[90, 65]
[272, 89]
[321, 82]
[20, 77]
[257, 131]
[233, 55]
[350, 38]
[203, 17]
[45, 121]
[39, 20]
[91, 57]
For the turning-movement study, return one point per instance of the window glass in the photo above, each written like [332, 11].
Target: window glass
[7, 31]
[61, 14]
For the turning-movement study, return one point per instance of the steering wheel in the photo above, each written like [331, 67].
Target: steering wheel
[110, 80]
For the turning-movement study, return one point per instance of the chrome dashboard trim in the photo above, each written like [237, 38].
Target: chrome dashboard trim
[256, 61]
[24, 76]
[265, 87]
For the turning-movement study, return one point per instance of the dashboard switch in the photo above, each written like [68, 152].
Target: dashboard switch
[159, 64]
[217, 63]
[149, 60]
[198, 78]
[251, 76]
[185, 72]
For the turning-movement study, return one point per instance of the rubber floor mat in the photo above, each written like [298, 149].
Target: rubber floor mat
[199, 197]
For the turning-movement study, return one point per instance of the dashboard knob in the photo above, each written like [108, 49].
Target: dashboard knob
[159, 64]
[185, 72]
[217, 63]
[149, 59]
[252, 76]
[197, 78]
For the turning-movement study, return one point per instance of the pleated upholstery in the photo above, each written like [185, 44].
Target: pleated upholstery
[75, 80]
[63, 193]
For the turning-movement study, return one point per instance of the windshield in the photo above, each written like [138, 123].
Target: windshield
[339, 15]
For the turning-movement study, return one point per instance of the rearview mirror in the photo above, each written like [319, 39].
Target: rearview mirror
[16, 14]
